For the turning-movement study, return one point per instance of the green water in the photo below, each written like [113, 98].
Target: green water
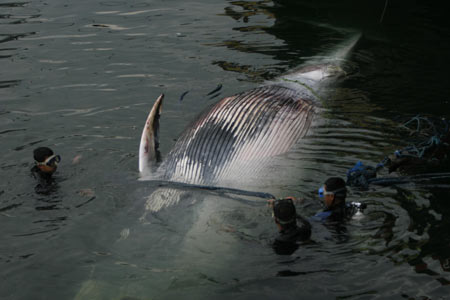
[80, 78]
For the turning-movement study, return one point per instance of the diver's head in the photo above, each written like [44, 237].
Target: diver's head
[284, 213]
[46, 160]
[333, 192]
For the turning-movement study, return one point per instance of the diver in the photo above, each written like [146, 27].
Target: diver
[334, 193]
[46, 163]
[289, 232]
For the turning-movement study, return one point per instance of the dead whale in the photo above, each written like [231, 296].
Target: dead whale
[232, 142]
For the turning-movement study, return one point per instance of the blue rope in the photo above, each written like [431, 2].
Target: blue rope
[360, 175]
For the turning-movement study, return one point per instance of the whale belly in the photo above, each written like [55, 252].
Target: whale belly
[238, 133]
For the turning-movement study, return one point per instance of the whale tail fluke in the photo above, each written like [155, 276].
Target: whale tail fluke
[321, 70]
[344, 50]
[149, 147]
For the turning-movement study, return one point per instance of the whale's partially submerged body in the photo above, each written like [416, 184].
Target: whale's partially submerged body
[231, 144]
[256, 124]
[234, 141]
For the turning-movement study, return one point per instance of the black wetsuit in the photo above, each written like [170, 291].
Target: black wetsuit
[340, 212]
[287, 240]
[46, 183]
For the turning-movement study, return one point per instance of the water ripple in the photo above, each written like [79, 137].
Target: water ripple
[60, 36]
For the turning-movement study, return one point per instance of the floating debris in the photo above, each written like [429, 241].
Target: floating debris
[218, 88]
[182, 95]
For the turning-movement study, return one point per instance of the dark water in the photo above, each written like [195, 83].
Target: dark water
[81, 76]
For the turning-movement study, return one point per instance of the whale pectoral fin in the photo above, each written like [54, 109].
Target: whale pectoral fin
[149, 147]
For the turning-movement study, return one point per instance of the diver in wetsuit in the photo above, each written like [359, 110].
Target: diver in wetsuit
[46, 163]
[289, 232]
[334, 193]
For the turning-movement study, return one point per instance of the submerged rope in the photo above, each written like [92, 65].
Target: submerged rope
[384, 11]
[313, 92]
[219, 189]
[435, 137]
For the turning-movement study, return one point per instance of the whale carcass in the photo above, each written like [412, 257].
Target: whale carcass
[232, 142]
[259, 123]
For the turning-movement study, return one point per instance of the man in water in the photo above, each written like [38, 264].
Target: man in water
[46, 163]
[289, 233]
[334, 193]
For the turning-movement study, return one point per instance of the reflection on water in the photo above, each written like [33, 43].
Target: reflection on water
[81, 77]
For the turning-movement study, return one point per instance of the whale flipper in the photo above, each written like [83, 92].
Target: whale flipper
[149, 147]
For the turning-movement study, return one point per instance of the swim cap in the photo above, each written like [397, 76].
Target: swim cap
[41, 153]
[284, 211]
[336, 185]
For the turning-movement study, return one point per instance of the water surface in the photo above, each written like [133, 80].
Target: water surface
[80, 78]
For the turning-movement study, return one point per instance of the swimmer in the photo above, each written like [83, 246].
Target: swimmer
[289, 232]
[46, 163]
[334, 194]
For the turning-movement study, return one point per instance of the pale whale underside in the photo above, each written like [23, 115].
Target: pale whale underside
[244, 128]
[238, 135]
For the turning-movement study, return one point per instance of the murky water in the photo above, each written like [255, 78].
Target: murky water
[80, 78]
